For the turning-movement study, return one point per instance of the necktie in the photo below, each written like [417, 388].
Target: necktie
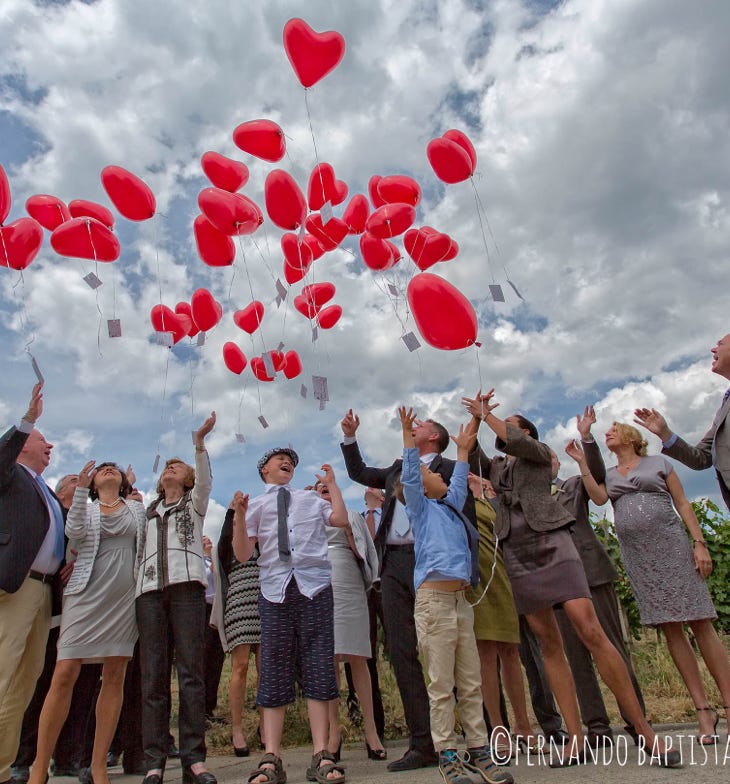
[401, 523]
[370, 521]
[282, 510]
[56, 518]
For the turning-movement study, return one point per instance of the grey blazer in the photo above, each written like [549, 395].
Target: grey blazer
[531, 481]
[716, 439]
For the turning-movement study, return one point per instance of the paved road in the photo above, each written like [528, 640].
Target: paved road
[701, 766]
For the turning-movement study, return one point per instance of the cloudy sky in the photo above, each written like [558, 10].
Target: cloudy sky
[603, 168]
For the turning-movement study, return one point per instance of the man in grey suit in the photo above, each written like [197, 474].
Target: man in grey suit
[32, 549]
[714, 448]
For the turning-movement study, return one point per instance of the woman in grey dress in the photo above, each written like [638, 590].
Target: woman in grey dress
[352, 627]
[667, 573]
[98, 620]
[545, 569]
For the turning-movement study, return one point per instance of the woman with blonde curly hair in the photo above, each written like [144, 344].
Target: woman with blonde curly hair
[666, 571]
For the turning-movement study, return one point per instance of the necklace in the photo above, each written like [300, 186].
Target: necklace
[110, 506]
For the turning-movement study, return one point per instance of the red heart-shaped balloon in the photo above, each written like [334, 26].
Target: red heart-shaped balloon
[329, 235]
[49, 211]
[399, 188]
[317, 294]
[81, 208]
[234, 358]
[324, 186]
[293, 274]
[206, 311]
[378, 254]
[184, 309]
[230, 213]
[284, 200]
[312, 55]
[259, 369]
[85, 238]
[375, 198]
[224, 173]
[328, 317]
[356, 214]
[249, 319]
[262, 138]
[426, 248]
[293, 366]
[132, 197]
[20, 242]
[306, 308]
[449, 160]
[314, 245]
[465, 143]
[390, 220]
[164, 320]
[215, 248]
[5, 199]
[443, 315]
[297, 255]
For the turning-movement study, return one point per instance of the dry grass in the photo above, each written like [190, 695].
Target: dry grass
[666, 697]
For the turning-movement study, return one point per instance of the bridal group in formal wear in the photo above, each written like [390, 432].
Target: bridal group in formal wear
[478, 569]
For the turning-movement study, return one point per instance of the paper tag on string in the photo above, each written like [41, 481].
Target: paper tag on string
[263, 421]
[92, 281]
[496, 291]
[315, 334]
[514, 288]
[240, 438]
[201, 339]
[165, 339]
[281, 289]
[326, 213]
[269, 364]
[280, 346]
[300, 234]
[393, 290]
[319, 387]
[115, 328]
[156, 464]
[411, 341]
[303, 391]
[36, 369]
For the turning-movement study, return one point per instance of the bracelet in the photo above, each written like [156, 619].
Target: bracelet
[585, 474]
[200, 449]
[699, 541]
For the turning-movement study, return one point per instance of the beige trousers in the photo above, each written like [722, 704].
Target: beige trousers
[445, 629]
[25, 618]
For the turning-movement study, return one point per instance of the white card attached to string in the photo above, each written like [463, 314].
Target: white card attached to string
[115, 328]
[326, 213]
[269, 364]
[496, 291]
[280, 346]
[201, 339]
[263, 421]
[281, 289]
[36, 369]
[156, 464]
[392, 289]
[302, 231]
[303, 391]
[315, 334]
[92, 281]
[514, 288]
[411, 341]
[165, 339]
[319, 387]
[240, 438]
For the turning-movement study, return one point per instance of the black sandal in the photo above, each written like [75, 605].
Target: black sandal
[318, 772]
[275, 775]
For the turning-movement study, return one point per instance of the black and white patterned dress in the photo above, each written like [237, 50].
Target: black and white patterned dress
[241, 614]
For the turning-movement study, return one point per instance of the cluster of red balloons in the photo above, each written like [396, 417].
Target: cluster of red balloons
[311, 301]
[287, 363]
[201, 314]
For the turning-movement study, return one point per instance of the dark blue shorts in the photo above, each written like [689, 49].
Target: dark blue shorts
[297, 639]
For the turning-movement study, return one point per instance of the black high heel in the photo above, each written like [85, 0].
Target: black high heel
[336, 754]
[709, 740]
[376, 754]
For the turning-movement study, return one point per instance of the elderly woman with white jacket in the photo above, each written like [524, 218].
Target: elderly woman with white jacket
[98, 620]
[171, 584]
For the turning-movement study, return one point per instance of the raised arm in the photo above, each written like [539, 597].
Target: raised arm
[203, 476]
[77, 519]
[338, 517]
[243, 544]
[354, 464]
[596, 491]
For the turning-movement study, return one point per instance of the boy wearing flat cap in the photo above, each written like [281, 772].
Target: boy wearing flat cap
[295, 603]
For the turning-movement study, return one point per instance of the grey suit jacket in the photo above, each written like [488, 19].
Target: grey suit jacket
[531, 480]
[699, 456]
[572, 494]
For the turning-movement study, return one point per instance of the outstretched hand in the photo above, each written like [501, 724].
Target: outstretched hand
[86, 474]
[480, 405]
[653, 421]
[328, 477]
[35, 407]
[204, 429]
[574, 450]
[349, 424]
[464, 439]
[239, 504]
[585, 422]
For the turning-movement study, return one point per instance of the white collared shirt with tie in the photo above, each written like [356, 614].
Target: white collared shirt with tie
[309, 564]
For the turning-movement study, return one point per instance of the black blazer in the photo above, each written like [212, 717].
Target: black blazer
[24, 516]
[385, 478]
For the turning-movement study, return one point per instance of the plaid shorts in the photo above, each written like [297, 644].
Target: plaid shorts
[297, 640]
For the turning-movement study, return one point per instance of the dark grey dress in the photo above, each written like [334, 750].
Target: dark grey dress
[544, 567]
[655, 549]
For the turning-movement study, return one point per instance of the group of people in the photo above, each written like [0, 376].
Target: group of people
[472, 565]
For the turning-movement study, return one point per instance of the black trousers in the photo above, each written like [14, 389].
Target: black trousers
[214, 658]
[179, 608]
[68, 752]
[399, 597]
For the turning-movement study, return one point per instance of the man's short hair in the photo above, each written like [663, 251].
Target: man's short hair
[444, 439]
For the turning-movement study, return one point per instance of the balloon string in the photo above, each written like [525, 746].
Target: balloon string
[96, 290]
[5, 250]
[164, 398]
[481, 227]
[311, 127]
[191, 390]
[250, 288]
[157, 257]
[263, 257]
[22, 314]
[486, 218]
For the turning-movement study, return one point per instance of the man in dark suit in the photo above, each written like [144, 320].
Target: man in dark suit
[714, 448]
[32, 547]
[394, 543]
